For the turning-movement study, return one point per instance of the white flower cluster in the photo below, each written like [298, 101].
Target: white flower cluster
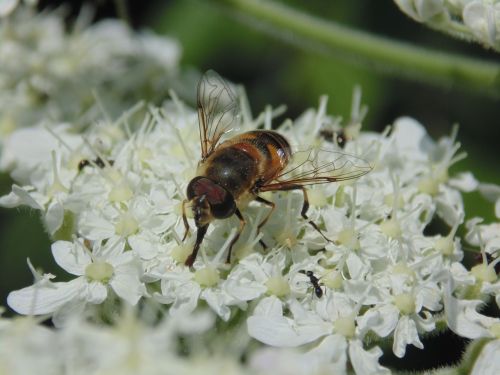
[112, 199]
[477, 20]
[50, 74]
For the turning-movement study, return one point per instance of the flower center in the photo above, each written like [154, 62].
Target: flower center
[345, 326]
[405, 303]
[126, 225]
[207, 277]
[391, 228]
[120, 193]
[99, 271]
[483, 272]
[277, 286]
[349, 238]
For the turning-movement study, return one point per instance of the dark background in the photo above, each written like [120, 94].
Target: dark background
[275, 72]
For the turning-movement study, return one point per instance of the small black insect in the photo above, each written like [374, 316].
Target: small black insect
[98, 161]
[314, 281]
[339, 137]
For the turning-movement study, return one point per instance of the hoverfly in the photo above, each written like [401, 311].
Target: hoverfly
[232, 173]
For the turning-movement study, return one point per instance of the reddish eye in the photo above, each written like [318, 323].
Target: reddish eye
[222, 204]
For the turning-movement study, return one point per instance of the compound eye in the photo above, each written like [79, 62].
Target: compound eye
[224, 208]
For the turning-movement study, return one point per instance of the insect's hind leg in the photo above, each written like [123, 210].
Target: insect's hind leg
[305, 207]
[233, 241]
[264, 221]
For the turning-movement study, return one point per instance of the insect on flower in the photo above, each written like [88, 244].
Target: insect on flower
[98, 162]
[314, 281]
[232, 173]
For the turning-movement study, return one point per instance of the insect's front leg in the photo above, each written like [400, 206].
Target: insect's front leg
[184, 219]
[200, 234]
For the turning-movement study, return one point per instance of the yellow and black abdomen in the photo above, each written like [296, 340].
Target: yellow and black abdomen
[247, 159]
[271, 149]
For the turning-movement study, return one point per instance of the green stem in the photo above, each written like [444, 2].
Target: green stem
[396, 57]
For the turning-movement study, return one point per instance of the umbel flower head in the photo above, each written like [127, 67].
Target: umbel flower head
[116, 221]
[473, 20]
[52, 75]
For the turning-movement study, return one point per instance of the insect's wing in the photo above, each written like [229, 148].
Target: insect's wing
[318, 167]
[217, 110]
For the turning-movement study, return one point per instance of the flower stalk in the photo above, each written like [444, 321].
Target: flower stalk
[388, 55]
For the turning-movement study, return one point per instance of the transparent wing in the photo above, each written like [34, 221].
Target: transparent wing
[217, 110]
[318, 167]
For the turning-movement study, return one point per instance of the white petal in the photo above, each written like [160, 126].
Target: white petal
[405, 333]
[272, 328]
[217, 302]
[54, 216]
[146, 246]
[381, 320]
[44, 299]
[366, 362]
[490, 191]
[127, 286]
[450, 206]
[497, 208]
[68, 311]
[269, 306]
[112, 251]
[487, 362]
[410, 136]
[19, 196]
[464, 320]
[7, 6]
[71, 256]
[464, 182]
[95, 227]
[96, 292]
[332, 351]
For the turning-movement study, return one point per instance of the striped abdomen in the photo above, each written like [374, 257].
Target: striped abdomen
[251, 158]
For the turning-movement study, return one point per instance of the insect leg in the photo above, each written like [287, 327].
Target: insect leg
[264, 221]
[200, 234]
[233, 241]
[184, 219]
[303, 213]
